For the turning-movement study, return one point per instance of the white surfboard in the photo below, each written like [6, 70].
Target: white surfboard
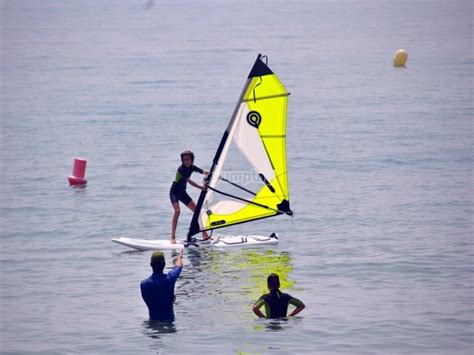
[149, 244]
[217, 241]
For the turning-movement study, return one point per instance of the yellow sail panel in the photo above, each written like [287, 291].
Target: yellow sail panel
[248, 213]
[277, 152]
[263, 87]
[268, 97]
[265, 204]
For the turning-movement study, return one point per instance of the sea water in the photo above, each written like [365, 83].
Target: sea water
[380, 166]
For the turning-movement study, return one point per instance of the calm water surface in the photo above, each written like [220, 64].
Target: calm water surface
[380, 163]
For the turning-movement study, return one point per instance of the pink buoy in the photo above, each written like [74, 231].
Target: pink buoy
[78, 172]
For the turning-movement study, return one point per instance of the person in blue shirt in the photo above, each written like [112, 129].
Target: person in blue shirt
[178, 190]
[158, 289]
[276, 302]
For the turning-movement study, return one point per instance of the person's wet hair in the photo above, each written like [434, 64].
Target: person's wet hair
[157, 261]
[273, 281]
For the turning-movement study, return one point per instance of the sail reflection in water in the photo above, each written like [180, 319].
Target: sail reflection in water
[233, 279]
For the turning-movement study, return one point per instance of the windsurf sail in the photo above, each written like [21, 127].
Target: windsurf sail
[257, 129]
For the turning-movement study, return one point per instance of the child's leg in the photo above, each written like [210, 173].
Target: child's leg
[174, 222]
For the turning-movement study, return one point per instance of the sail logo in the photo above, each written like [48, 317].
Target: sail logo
[254, 119]
[242, 177]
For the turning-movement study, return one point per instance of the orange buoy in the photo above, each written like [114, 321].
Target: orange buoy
[400, 58]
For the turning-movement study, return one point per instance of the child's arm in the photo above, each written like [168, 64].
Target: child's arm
[191, 182]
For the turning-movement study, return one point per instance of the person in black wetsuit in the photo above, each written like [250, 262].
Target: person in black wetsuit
[276, 302]
[178, 190]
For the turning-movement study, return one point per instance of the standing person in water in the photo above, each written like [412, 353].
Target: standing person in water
[276, 302]
[178, 190]
[158, 289]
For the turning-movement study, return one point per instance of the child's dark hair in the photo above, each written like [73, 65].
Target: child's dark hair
[189, 154]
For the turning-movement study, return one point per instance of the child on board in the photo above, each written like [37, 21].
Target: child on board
[276, 302]
[178, 190]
